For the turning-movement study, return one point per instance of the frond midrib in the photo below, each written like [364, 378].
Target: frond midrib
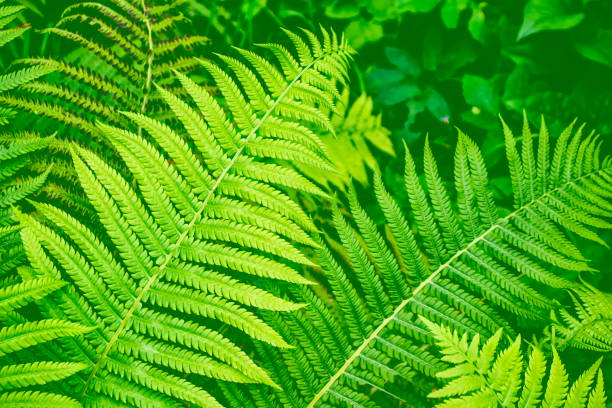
[431, 278]
[173, 250]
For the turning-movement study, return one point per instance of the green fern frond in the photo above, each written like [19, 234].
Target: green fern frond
[8, 14]
[12, 159]
[461, 265]
[174, 282]
[479, 376]
[111, 70]
[37, 399]
[17, 295]
[17, 333]
[19, 336]
[17, 78]
[130, 29]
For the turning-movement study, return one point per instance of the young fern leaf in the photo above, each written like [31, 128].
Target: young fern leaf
[462, 266]
[174, 282]
[21, 371]
[14, 158]
[130, 40]
[17, 380]
[359, 134]
[480, 377]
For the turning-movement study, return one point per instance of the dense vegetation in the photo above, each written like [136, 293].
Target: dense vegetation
[372, 203]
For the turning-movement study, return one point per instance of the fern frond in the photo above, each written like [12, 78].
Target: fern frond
[16, 183]
[17, 335]
[462, 266]
[8, 14]
[17, 295]
[15, 79]
[480, 376]
[38, 399]
[175, 278]
[120, 45]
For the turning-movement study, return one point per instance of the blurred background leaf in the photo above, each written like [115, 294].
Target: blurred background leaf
[550, 15]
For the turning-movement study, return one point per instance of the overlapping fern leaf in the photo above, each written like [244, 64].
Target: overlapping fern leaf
[463, 261]
[481, 377]
[171, 272]
[135, 43]
[122, 47]
[24, 377]
[15, 78]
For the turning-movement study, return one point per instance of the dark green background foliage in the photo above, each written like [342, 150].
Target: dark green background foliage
[422, 70]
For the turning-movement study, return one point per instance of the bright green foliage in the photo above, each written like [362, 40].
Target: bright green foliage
[12, 159]
[463, 265]
[19, 334]
[18, 381]
[480, 376]
[185, 240]
[197, 236]
[23, 336]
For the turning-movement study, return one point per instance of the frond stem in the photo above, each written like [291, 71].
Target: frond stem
[426, 282]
